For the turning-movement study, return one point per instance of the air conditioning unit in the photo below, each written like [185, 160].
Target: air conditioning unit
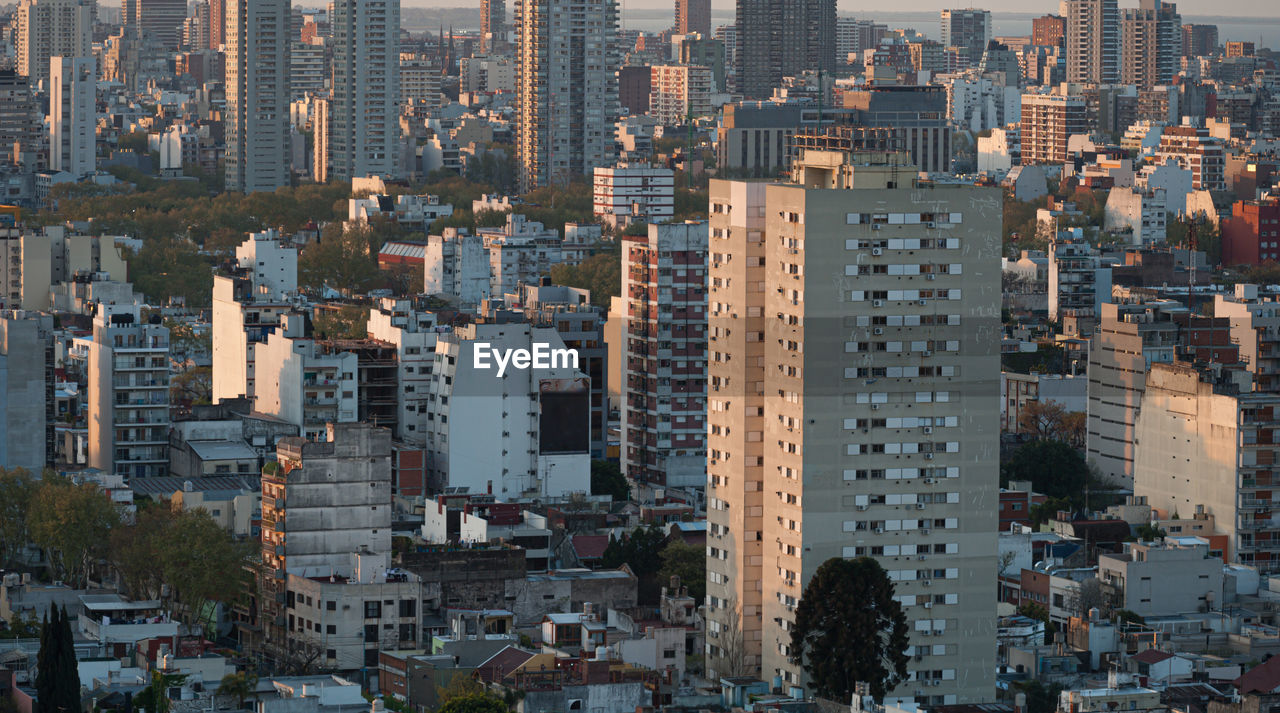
[929, 481]
[927, 583]
[928, 605]
[877, 251]
[875, 407]
[862, 507]
[922, 302]
[925, 530]
[877, 303]
[928, 456]
[877, 330]
[879, 530]
[927, 353]
[921, 558]
[875, 226]
[919, 506]
[928, 429]
[932, 224]
[931, 276]
[937, 682]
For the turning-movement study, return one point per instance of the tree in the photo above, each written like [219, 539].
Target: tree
[16, 490]
[1048, 510]
[135, 550]
[475, 703]
[239, 685]
[601, 274]
[72, 523]
[849, 629]
[345, 322]
[687, 562]
[1040, 698]
[461, 685]
[201, 562]
[607, 479]
[1053, 467]
[641, 551]
[58, 678]
[345, 260]
[155, 697]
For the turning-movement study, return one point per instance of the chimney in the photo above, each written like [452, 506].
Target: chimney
[1020, 703]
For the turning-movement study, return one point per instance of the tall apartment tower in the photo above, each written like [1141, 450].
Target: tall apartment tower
[566, 89]
[782, 38]
[969, 28]
[18, 132]
[664, 386]
[27, 405]
[493, 25]
[693, 16]
[1093, 41]
[852, 409]
[1048, 31]
[335, 494]
[72, 114]
[257, 86]
[128, 393]
[364, 129]
[217, 23]
[53, 28]
[1150, 44]
[158, 22]
[1199, 40]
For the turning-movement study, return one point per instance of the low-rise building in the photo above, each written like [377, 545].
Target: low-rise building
[1175, 576]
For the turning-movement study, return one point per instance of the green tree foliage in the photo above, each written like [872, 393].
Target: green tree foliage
[345, 322]
[21, 628]
[849, 629]
[186, 549]
[461, 685]
[155, 697]
[497, 168]
[607, 479]
[1047, 510]
[133, 141]
[58, 678]
[641, 550]
[71, 523]
[345, 260]
[601, 273]
[687, 562]
[1208, 237]
[1053, 467]
[476, 703]
[690, 204]
[172, 267]
[17, 487]
[1148, 532]
[239, 685]
[1041, 698]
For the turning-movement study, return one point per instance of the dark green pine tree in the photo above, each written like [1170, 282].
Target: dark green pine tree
[67, 684]
[47, 661]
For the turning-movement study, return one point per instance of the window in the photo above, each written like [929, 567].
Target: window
[407, 608]
[331, 653]
[330, 629]
[373, 610]
[371, 633]
[331, 605]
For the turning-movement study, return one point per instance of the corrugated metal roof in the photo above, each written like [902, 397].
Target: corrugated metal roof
[399, 248]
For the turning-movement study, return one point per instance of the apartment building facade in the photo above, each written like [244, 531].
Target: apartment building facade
[835, 301]
[128, 393]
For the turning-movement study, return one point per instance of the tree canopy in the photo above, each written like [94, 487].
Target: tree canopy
[58, 677]
[1053, 467]
[607, 479]
[687, 562]
[475, 703]
[71, 522]
[849, 630]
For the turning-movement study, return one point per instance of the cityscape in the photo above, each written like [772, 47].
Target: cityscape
[562, 356]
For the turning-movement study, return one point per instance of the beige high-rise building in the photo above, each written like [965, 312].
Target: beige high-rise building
[1092, 41]
[1048, 122]
[364, 135]
[257, 86]
[53, 28]
[1150, 44]
[566, 88]
[853, 410]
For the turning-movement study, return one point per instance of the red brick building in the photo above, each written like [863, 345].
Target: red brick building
[1252, 234]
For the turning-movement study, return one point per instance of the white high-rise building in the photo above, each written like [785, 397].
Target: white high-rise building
[853, 410]
[128, 393]
[72, 115]
[413, 334]
[248, 301]
[300, 382]
[53, 28]
[257, 87]
[524, 432]
[364, 131]
[566, 88]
